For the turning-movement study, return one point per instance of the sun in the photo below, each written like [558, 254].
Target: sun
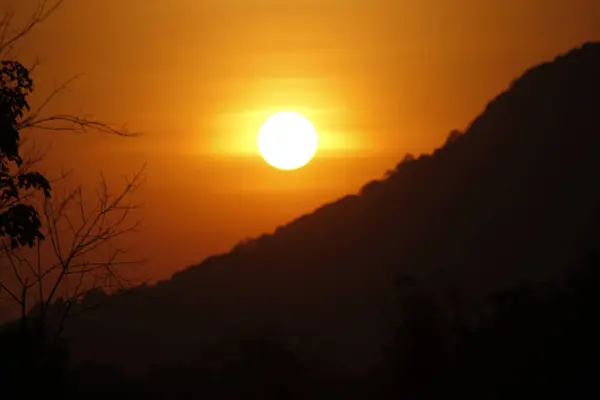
[287, 140]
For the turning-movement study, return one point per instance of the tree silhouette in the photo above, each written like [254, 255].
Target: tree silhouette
[19, 221]
[80, 235]
[80, 253]
[535, 339]
[20, 185]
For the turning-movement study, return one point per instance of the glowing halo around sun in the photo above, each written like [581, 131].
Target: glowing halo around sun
[287, 140]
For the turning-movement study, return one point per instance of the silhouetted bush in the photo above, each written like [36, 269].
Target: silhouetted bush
[540, 340]
[32, 364]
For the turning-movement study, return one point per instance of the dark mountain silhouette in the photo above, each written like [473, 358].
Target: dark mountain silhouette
[512, 198]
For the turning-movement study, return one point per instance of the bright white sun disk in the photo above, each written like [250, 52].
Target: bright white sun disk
[287, 140]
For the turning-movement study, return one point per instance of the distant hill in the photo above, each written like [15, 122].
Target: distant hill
[513, 197]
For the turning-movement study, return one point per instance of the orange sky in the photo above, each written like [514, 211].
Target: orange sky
[378, 78]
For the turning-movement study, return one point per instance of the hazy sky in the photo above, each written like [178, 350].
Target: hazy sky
[378, 78]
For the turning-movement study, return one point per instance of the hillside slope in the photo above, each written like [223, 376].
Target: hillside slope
[511, 198]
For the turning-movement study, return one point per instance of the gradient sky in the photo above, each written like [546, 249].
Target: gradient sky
[378, 78]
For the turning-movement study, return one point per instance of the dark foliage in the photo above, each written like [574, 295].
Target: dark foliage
[32, 365]
[252, 367]
[540, 341]
[18, 220]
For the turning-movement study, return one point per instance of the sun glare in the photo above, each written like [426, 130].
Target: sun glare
[287, 140]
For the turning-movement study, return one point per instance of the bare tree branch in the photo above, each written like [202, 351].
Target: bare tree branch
[36, 119]
[72, 123]
[81, 242]
[94, 232]
[9, 37]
